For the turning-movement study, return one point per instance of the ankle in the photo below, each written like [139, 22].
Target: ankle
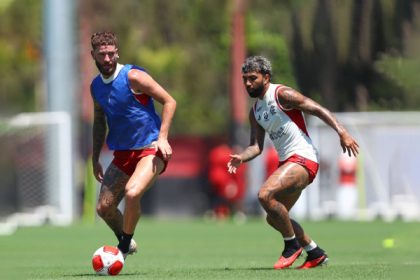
[315, 253]
[291, 245]
[124, 243]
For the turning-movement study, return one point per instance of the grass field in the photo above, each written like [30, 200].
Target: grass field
[201, 249]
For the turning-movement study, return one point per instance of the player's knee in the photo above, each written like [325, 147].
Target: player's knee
[264, 196]
[102, 210]
[132, 194]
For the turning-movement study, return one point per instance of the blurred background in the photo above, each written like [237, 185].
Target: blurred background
[360, 59]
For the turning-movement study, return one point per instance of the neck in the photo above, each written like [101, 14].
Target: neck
[109, 75]
[109, 78]
[266, 86]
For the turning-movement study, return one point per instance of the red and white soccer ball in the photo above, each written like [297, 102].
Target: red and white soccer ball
[107, 260]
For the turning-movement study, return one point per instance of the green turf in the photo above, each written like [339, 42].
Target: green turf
[200, 249]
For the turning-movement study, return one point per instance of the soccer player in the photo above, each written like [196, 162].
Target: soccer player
[278, 111]
[124, 113]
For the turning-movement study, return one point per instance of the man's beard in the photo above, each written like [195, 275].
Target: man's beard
[256, 92]
[106, 71]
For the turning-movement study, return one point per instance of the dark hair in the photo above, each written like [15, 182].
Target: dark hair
[103, 38]
[258, 64]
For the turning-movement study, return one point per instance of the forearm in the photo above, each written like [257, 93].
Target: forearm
[250, 153]
[324, 114]
[330, 120]
[98, 137]
[168, 112]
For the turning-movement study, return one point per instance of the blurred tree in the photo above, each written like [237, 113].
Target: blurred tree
[188, 57]
[404, 67]
[336, 65]
[20, 56]
[349, 55]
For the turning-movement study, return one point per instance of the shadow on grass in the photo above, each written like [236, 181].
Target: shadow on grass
[242, 268]
[122, 275]
[143, 274]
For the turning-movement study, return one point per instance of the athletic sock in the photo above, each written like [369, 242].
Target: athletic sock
[312, 245]
[119, 236]
[315, 253]
[124, 244]
[291, 245]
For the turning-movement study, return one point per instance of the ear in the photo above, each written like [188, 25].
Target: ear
[92, 54]
[266, 78]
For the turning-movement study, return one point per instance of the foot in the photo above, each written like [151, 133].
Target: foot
[132, 249]
[284, 262]
[311, 263]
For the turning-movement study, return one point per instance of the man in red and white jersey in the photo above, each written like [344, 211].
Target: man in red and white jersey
[278, 111]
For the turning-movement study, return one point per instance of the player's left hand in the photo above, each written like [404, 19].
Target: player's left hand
[163, 146]
[348, 144]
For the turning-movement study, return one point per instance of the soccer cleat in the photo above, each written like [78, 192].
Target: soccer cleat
[132, 249]
[322, 260]
[284, 262]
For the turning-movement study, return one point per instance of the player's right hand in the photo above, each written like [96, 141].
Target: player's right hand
[234, 163]
[98, 172]
[163, 146]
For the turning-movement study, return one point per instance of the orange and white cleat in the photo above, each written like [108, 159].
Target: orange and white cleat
[284, 262]
[322, 260]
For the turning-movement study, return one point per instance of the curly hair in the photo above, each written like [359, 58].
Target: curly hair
[103, 38]
[258, 64]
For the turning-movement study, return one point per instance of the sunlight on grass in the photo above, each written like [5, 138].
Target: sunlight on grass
[200, 249]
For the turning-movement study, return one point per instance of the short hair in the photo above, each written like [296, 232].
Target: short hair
[103, 38]
[258, 64]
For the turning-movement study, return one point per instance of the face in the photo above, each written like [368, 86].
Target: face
[106, 58]
[255, 83]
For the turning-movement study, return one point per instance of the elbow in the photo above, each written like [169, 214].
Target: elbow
[169, 105]
[172, 103]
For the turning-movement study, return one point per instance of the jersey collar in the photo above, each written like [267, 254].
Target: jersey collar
[113, 76]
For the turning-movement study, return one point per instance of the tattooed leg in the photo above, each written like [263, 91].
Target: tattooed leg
[301, 235]
[111, 194]
[280, 192]
[303, 238]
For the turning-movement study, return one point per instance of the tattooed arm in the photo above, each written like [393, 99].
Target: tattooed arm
[98, 134]
[290, 98]
[254, 149]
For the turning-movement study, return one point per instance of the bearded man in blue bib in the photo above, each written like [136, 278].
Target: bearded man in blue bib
[124, 115]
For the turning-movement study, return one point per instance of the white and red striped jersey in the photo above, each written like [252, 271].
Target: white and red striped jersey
[285, 127]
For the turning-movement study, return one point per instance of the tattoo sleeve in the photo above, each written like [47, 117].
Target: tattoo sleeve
[293, 99]
[99, 131]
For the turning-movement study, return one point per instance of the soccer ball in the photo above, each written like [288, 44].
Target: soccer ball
[107, 260]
